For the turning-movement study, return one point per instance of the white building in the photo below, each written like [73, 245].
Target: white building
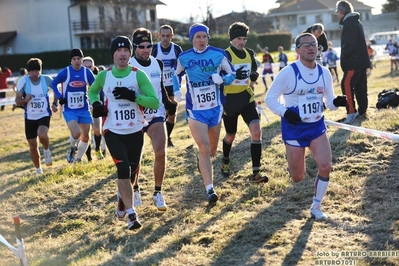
[32, 26]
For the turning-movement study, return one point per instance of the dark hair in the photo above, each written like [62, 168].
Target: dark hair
[317, 26]
[300, 36]
[344, 6]
[166, 27]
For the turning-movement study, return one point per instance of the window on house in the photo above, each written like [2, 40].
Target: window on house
[367, 16]
[319, 19]
[152, 15]
[83, 17]
[85, 42]
[302, 20]
[118, 13]
[101, 13]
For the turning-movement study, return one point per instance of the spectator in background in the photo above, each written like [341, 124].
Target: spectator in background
[282, 57]
[354, 60]
[317, 30]
[371, 53]
[393, 51]
[267, 61]
[22, 72]
[332, 59]
[5, 73]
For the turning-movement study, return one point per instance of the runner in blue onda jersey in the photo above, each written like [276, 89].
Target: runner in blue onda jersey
[206, 68]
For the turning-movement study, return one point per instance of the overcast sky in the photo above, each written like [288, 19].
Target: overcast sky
[182, 10]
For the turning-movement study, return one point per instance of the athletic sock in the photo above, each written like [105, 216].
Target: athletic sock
[157, 189]
[256, 151]
[321, 185]
[97, 141]
[226, 148]
[82, 147]
[169, 128]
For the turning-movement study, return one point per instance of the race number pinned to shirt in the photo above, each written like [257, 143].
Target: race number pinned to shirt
[123, 114]
[75, 99]
[310, 107]
[205, 97]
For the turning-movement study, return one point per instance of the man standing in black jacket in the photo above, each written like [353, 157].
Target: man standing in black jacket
[354, 60]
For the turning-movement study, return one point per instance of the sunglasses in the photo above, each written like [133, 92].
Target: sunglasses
[307, 45]
[144, 47]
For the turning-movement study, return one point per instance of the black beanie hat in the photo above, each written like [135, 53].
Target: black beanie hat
[75, 52]
[119, 42]
[34, 65]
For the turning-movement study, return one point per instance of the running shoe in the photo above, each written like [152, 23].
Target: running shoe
[133, 222]
[350, 118]
[120, 209]
[100, 155]
[212, 197]
[71, 154]
[47, 158]
[39, 171]
[225, 169]
[258, 178]
[137, 198]
[315, 212]
[159, 202]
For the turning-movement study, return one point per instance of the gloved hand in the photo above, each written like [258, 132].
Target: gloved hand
[292, 117]
[254, 76]
[241, 74]
[340, 101]
[62, 101]
[217, 79]
[99, 110]
[124, 93]
[171, 107]
[178, 96]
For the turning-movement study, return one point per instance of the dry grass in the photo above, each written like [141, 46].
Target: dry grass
[67, 214]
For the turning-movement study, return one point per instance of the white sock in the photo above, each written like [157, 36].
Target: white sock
[321, 185]
[130, 211]
[102, 142]
[82, 147]
[73, 141]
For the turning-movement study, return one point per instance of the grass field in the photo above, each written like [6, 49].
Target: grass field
[68, 218]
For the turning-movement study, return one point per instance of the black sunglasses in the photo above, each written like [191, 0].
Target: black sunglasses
[143, 46]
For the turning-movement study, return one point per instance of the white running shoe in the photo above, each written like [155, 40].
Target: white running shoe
[47, 158]
[39, 171]
[350, 118]
[315, 212]
[159, 202]
[137, 198]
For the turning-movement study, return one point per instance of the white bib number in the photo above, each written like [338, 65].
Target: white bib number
[37, 105]
[75, 99]
[205, 97]
[167, 76]
[310, 107]
[123, 115]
